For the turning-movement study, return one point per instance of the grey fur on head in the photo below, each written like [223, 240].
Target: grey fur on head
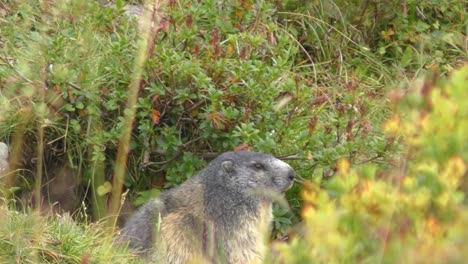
[222, 214]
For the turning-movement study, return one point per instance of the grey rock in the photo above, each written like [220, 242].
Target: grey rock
[4, 165]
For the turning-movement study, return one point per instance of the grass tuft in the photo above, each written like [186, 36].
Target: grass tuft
[31, 238]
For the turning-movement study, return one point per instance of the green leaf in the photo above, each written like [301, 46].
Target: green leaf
[407, 57]
[104, 189]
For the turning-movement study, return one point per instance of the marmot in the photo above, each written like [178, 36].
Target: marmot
[220, 215]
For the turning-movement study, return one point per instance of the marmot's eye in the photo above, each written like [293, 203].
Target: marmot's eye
[258, 166]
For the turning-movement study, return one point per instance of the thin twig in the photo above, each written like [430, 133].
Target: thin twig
[369, 159]
[76, 86]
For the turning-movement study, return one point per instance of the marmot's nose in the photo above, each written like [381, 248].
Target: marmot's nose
[291, 175]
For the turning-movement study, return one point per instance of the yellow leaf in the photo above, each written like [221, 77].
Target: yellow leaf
[308, 212]
[392, 125]
[343, 166]
[229, 50]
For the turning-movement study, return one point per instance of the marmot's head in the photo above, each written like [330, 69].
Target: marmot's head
[253, 173]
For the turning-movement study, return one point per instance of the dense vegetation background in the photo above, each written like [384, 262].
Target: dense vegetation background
[365, 99]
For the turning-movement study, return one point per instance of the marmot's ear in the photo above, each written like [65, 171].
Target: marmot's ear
[228, 166]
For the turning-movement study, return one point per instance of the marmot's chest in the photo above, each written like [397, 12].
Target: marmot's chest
[248, 242]
[197, 236]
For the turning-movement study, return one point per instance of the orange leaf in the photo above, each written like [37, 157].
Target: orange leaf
[57, 89]
[155, 115]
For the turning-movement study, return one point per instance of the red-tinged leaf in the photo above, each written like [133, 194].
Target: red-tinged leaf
[383, 233]
[143, 83]
[215, 37]
[189, 21]
[155, 115]
[196, 51]
[363, 110]
[366, 127]
[396, 95]
[217, 50]
[297, 79]
[164, 25]
[11, 80]
[272, 38]
[349, 130]
[246, 4]
[83, 112]
[52, 254]
[313, 124]
[243, 53]
[320, 100]
[243, 147]
[352, 84]
[105, 90]
[217, 119]
[171, 3]
[85, 259]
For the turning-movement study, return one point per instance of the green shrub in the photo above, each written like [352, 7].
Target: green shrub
[307, 82]
[304, 80]
[413, 213]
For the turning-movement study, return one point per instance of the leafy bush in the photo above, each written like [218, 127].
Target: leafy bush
[413, 213]
[306, 82]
